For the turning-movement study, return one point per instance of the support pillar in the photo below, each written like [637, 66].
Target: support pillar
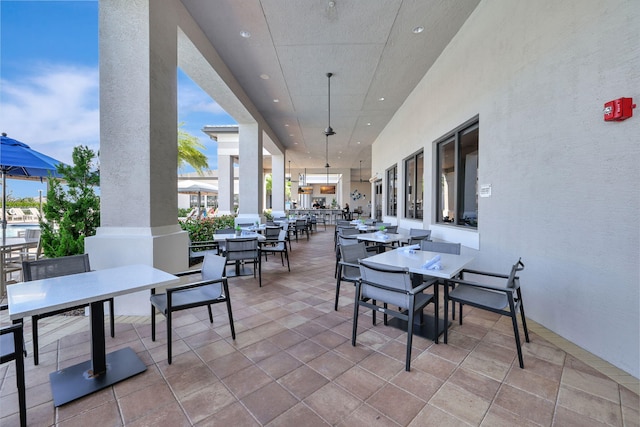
[225, 185]
[138, 143]
[250, 197]
[278, 182]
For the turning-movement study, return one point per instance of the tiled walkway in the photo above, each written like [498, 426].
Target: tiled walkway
[292, 364]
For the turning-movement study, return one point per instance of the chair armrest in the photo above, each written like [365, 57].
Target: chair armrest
[187, 273]
[349, 264]
[482, 285]
[423, 286]
[195, 285]
[484, 273]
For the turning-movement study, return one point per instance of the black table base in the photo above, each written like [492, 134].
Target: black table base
[77, 381]
[424, 329]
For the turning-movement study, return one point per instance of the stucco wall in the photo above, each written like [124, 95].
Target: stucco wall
[564, 182]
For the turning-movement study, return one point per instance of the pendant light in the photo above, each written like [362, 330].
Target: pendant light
[329, 130]
[360, 170]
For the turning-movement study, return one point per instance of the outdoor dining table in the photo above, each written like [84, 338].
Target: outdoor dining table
[414, 259]
[382, 239]
[103, 370]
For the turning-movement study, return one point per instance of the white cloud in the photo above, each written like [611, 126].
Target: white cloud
[191, 99]
[53, 110]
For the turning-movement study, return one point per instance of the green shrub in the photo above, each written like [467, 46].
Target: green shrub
[267, 214]
[202, 229]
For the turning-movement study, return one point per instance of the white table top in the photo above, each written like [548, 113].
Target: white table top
[41, 296]
[245, 235]
[415, 259]
[382, 237]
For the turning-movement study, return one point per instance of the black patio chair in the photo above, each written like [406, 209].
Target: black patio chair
[242, 250]
[12, 348]
[348, 269]
[279, 246]
[498, 293]
[391, 286]
[212, 289]
[56, 267]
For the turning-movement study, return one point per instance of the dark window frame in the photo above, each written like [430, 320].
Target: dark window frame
[455, 137]
[414, 185]
[392, 191]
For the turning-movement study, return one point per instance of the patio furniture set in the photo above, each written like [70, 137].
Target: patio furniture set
[399, 283]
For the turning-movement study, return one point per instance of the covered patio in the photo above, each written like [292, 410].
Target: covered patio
[292, 364]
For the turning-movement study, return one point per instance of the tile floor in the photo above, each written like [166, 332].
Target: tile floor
[292, 364]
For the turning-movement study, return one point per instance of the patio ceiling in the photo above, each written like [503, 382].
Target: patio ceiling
[369, 45]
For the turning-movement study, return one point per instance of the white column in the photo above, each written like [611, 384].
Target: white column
[225, 185]
[278, 182]
[138, 143]
[250, 197]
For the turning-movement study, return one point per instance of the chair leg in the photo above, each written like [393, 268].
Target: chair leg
[34, 334]
[286, 254]
[169, 335]
[229, 311]
[259, 271]
[210, 313]
[18, 342]
[335, 307]
[524, 320]
[516, 333]
[407, 365]
[356, 306]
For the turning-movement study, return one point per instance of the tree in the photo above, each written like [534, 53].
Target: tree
[72, 211]
[189, 147]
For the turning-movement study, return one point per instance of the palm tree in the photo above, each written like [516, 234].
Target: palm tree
[189, 151]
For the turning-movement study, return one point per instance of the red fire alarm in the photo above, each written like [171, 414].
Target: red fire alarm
[618, 109]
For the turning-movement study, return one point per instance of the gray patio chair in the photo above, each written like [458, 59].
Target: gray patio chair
[498, 293]
[197, 250]
[348, 269]
[244, 249]
[443, 248]
[211, 289]
[56, 267]
[221, 245]
[301, 227]
[391, 286]
[416, 235]
[12, 348]
[277, 246]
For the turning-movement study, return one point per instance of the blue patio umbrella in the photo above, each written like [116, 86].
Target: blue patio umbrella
[17, 160]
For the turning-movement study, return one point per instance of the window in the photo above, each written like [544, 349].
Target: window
[414, 185]
[392, 191]
[457, 179]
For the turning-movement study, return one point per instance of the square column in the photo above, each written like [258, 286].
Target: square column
[225, 185]
[251, 174]
[138, 143]
[278, 184]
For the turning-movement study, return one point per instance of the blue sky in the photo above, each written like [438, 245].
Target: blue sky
[49, 96]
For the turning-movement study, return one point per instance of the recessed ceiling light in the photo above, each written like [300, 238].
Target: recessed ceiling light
[418, 29]
[358, 142]
[295, 143]
[276, 100]
[245, 34]
[381, 99]
[290, 134]
[264, 76]
[369, 124]
[286, 125]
